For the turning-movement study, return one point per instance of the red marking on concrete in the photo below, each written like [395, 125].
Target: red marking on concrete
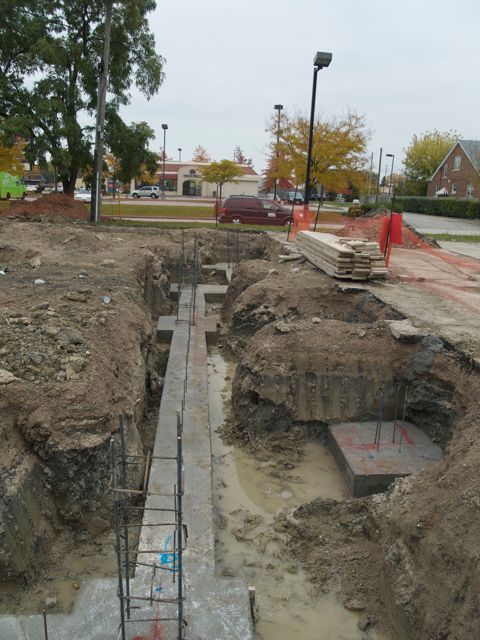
[350, 441]
[405, 437]
[157, 628]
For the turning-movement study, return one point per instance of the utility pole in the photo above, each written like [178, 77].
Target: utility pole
[100, 125]
[370, 177]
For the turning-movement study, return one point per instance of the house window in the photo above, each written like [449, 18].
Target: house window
[454, 188]
[469, 190]
[456, 163]
[445, 169]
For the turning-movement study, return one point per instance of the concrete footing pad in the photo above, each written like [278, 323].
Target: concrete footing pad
[368, 468]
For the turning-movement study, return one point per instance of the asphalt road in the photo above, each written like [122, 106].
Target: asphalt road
[437, 224]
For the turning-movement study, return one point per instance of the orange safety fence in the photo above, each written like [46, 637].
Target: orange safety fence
[451, 276]
[301, 221]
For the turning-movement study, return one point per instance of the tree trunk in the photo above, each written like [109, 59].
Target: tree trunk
[69, 182]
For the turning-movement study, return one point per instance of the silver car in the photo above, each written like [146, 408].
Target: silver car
[85, 195]
[147, 191]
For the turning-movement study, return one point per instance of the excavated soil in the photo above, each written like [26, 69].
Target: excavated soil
[311, 353]
[78, 308]
[53, 206]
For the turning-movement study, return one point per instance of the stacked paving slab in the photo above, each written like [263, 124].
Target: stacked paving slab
[347, 258]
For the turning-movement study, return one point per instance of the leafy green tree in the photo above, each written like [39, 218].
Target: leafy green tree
[129, 146]
[220, 173]
[50, 52]
[423, 156]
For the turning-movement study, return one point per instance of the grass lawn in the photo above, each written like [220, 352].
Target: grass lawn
[155, 211]
[453, 238]
[191, 224]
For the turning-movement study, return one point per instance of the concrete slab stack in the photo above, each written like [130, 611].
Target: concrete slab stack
[347, 258]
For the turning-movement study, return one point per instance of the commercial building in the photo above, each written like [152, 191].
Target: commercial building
[185, 179]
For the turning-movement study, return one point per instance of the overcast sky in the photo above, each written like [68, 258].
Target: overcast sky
[407, 65]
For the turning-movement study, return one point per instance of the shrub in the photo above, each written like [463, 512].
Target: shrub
[448, 207]
[355, 211]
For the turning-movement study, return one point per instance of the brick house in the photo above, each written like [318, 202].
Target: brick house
[458, 175]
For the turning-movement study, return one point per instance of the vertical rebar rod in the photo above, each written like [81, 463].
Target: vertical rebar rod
[378, 431]
[45, 627]
[125, 515]
[179, 526]
[194, 292]
[405, 404]
[117, 538]
[396, 413]
[228, 248]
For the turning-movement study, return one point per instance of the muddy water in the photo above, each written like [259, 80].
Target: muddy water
[247, 495]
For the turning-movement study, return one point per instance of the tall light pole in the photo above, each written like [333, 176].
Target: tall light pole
[164, 127]
[100, 124]
[179, 154]
[320, 61]
[277, 107]
[392, 156]
[378, 177]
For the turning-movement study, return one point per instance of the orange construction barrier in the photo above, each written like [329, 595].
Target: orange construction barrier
[301, 221]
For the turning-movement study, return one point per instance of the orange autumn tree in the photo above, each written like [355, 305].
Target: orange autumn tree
[11, 158]
[338, 151]
[200, 154]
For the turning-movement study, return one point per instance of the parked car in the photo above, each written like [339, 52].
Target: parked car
[148, 191]
[252, 210]
[292, 197]
[85, 195]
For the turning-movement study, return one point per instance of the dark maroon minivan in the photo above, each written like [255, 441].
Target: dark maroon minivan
[253, 210]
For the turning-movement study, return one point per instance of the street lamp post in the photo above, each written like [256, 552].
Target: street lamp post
[164, 127]
[378, 177]
[278, 108]
[320, 61]
[179, 154]
[392, 156]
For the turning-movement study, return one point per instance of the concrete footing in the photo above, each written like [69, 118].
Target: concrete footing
[370, 468]
[217, 609]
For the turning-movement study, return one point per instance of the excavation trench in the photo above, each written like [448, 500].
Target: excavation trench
[313, 356]
[248, 494]
[82, 351]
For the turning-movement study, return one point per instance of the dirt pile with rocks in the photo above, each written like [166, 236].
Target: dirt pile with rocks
[54, 206]
[313, 353]
[263, 292]
[77, 350]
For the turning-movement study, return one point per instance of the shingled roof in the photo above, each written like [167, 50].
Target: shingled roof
[472, 150]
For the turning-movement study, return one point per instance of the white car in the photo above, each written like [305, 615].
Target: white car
[85, 195]
[148, 191]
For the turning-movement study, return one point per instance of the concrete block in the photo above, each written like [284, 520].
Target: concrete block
[368, 469]
[404, 331]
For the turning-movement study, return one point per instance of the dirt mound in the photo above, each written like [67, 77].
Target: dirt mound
[260, 294]
[370, 228]
[53, 205]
